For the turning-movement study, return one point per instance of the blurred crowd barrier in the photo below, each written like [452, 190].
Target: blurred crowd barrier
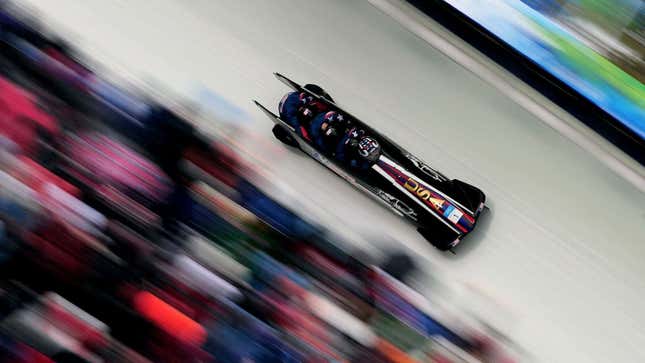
[614, 28]
[126, 235]
[597, 47]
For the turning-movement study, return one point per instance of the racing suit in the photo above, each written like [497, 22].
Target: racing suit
[289, 108]
[347, 150]
[326, 143]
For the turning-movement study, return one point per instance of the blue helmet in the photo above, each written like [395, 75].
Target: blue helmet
[305, 99]
[335, 118]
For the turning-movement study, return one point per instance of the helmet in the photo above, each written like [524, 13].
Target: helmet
[369, 149]
[330, 131]
[305, 99]
[334, 124]
[335, 120]
[355, 134]
[306, 114]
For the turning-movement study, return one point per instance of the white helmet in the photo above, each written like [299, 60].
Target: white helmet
[369, 149]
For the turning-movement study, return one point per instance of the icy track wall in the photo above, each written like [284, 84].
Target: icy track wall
[129, 236]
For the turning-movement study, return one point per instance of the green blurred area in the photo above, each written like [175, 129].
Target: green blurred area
[594, 66]
[615, 27]
[612, 15]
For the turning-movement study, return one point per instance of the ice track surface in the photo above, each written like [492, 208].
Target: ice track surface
[564, 244]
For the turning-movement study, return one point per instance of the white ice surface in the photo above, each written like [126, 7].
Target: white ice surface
[563, 246]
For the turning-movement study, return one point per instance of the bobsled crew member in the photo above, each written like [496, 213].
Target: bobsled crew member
[367, 159]
[326, 130]
[358, 150]
[298, 109]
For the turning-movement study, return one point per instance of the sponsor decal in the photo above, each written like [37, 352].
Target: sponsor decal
[454, 215]
[438, 203]
[448, 210]
[424, 194]
[430, 198]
